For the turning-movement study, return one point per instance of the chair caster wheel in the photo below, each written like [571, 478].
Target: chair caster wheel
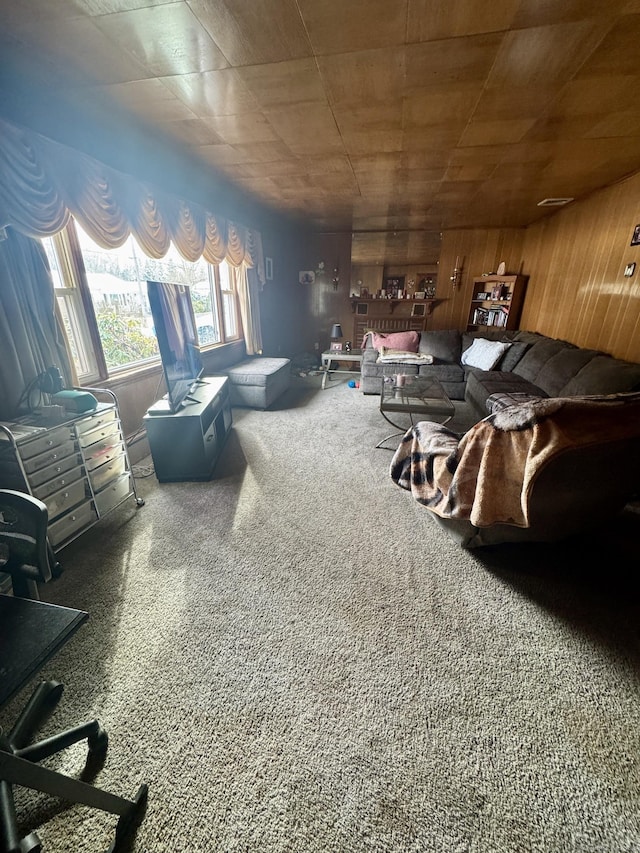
[99, 741]
[31, 844]
[139, 501]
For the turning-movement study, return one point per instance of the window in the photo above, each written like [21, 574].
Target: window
[114, 316]
[70, 306]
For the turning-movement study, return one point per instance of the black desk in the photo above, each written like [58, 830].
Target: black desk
[31, 632]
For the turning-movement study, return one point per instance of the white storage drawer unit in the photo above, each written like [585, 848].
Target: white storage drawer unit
[79, 468]
[70, 525]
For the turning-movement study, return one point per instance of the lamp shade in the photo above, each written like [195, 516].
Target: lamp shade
[336, 330]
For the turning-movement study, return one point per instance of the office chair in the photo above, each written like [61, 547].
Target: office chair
[26, 556]
[25, 553]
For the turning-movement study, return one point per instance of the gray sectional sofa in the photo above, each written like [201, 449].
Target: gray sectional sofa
[533, 366]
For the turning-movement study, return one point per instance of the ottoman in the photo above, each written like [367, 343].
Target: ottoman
[257, 382]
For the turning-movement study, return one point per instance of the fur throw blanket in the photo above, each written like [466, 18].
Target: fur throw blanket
[486, 476]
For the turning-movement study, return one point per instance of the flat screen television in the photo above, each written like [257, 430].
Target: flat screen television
[175, 327]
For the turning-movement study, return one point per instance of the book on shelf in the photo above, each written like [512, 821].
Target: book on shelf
[491, 316]
[480, 317]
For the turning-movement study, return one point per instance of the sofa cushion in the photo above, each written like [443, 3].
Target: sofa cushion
[484, 354]
[562, 367]
[407, 340]
[513, 355]
[603, 375]
[443, 372]
[482, 384]
[537, 356]
[444, 345]
[529, 337]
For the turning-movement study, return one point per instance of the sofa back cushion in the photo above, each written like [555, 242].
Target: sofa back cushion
[562, 367]
[530, 337]
[512, 356]
[444, 345]
[603, 375]
[536, 357]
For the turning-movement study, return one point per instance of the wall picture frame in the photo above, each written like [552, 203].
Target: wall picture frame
[419, 310]
[268, 269]
[306, 276]
[635, 237]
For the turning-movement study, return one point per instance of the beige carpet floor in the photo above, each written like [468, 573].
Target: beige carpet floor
[295, 658]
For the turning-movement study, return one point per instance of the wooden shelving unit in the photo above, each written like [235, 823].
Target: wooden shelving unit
[496, 302]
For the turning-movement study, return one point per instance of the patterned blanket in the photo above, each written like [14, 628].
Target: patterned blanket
[486, 476]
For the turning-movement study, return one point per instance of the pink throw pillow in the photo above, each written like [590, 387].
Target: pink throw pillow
[405, 341]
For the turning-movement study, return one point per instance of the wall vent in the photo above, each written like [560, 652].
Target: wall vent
[554, 202]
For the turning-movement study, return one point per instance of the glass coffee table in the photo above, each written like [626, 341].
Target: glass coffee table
[415, 396]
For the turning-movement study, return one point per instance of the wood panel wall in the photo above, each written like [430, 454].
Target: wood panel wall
[325, 304]
[575, 261]
[477, 251]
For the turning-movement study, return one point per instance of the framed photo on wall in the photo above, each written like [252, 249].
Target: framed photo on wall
[635, 239]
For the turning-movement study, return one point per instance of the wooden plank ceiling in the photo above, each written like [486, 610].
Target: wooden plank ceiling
[388, 117]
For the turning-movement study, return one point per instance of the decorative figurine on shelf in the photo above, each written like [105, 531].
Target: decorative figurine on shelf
[347, 346]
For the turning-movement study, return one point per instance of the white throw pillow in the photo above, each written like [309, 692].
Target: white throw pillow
[484, 354]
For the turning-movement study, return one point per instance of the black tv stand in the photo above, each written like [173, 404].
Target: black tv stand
[185, 445]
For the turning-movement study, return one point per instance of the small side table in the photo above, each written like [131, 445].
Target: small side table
[328, 356]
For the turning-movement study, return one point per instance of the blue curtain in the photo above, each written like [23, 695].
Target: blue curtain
[30, 337]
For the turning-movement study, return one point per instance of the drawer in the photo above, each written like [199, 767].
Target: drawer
[107, 472]
[101, 453]
[96, 421]
[52, 471]
[67, 498]
[52, 438]
[57, 483]
[55, 454]
[73, 522]
[114, 494]
[108, 432]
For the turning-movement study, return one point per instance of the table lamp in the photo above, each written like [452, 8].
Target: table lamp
[336, 331]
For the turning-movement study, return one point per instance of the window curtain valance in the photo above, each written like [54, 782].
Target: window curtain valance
[43, 183]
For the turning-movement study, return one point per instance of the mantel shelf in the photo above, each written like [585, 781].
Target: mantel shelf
[392, 303]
